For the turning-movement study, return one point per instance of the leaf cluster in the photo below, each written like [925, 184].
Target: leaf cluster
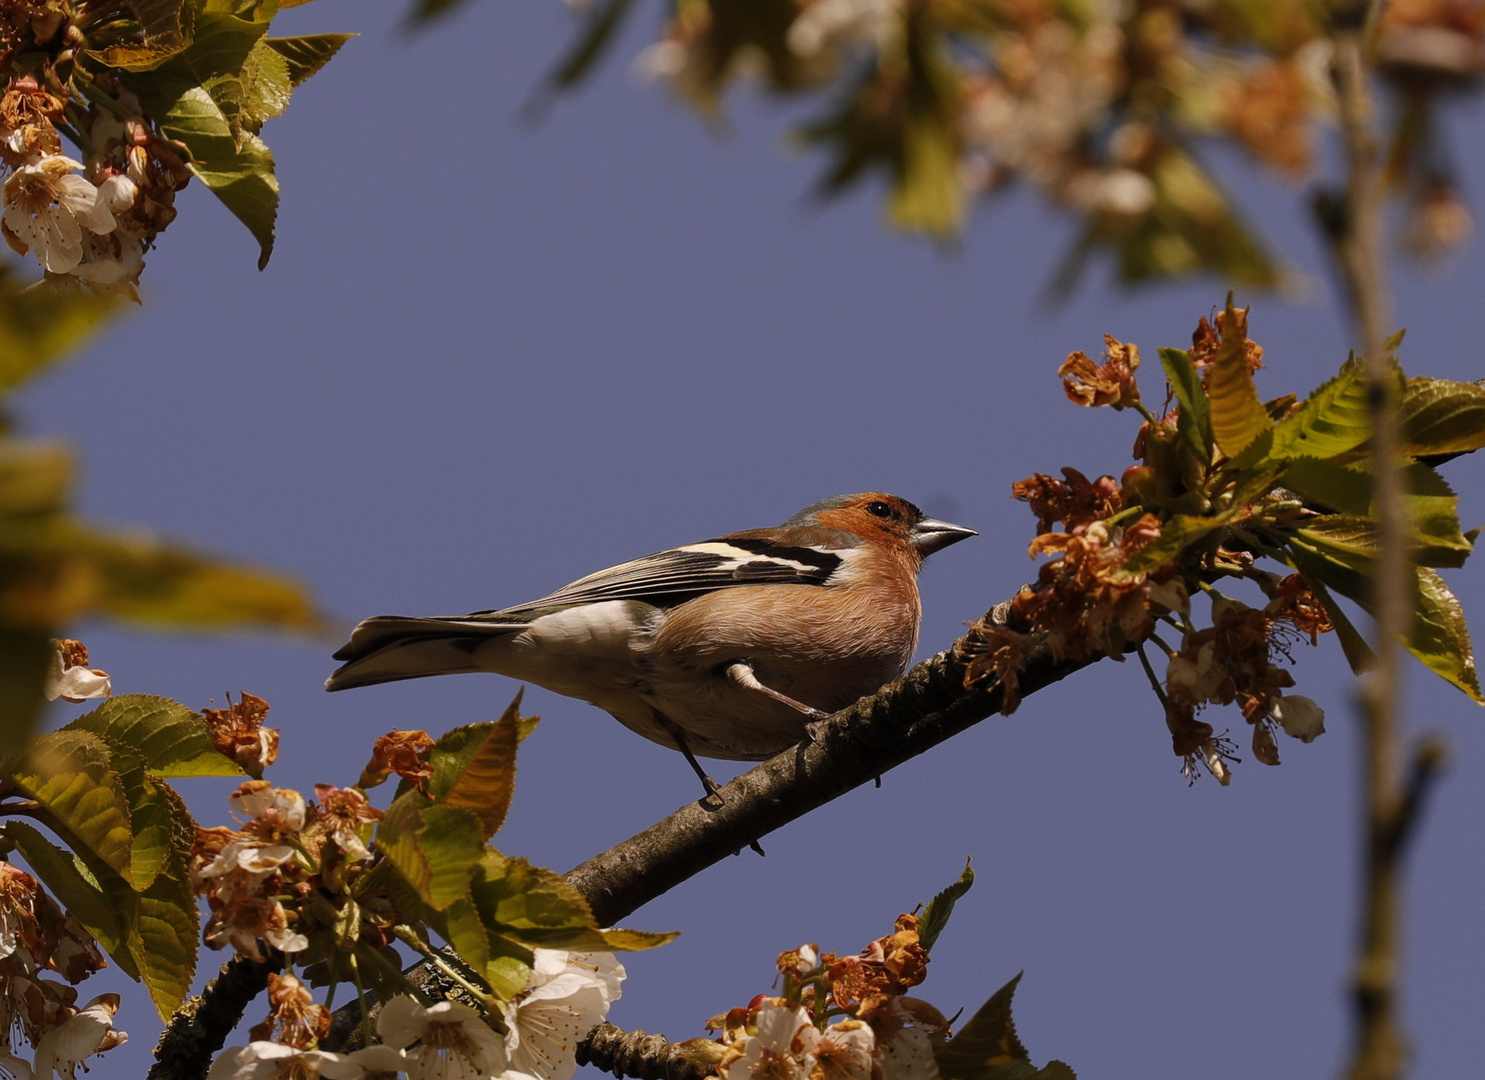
[99, 785]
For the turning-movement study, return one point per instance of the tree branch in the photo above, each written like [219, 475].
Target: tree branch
[200, 1027]
[638, 1055]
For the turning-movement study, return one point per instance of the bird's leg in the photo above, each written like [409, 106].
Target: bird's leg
[713, 791]
[742, 674]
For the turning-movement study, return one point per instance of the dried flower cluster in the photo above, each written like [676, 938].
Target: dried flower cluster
[36, 939]
[1223, 481]
[841, 1017]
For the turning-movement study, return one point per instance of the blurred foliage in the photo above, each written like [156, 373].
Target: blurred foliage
[150, 93]
[56, 569]
[1102, 107]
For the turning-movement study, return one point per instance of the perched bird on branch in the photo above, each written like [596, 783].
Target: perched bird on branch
[729, 648]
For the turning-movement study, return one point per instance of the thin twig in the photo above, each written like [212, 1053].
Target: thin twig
[1355, 229]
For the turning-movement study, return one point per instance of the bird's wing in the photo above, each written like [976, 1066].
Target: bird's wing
[680, 574]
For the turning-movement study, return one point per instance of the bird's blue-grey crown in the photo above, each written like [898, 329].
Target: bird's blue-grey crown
[835, 502]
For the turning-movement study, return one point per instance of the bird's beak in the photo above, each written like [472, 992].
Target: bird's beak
[931, 535]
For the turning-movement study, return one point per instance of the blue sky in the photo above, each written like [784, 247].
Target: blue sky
[489, 357]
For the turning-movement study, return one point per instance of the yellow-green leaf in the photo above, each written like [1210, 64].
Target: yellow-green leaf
[40, 323]
[451, 842]
[1238, 417]
[172, 739]
[1442, 417]
[71, 775]
[165, 942]
[306, 55]
[1194, 422]
[1439, 637]
[1334, 419]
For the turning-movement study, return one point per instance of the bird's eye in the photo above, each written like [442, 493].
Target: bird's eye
[879, 509]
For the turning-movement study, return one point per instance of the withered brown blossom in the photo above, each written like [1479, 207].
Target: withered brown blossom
[1074, 501]
[28, 115]
[399, 752]
[1207, 338]
[293, 1017]
[238, 732]
[1109, 383]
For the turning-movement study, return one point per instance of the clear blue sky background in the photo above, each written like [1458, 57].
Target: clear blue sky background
[488, 358]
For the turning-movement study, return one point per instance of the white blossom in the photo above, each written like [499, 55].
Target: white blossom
[569, 993]
[1299, 716]
[780, 1050]
[452, 1041]
[74, 683]
[275, 1061]
[48, 207]
[88, 1032]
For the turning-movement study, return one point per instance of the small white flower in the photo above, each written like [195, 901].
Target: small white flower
[780, 1050]
[453, 1041]
[89, 1032]
[275, 1061]
[118, 193]
[833, 23]
[842, 1051]
[1299, 716]
[69, 676]
[47, 208]
[569, 994]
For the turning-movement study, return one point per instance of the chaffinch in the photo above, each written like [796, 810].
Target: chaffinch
[729, 648]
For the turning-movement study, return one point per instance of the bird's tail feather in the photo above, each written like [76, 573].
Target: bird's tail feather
[389, 648]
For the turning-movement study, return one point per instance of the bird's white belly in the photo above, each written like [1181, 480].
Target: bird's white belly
[586, 652]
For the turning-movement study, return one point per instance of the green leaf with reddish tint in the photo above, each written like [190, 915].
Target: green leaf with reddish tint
[1442, 417]
[70, 773]
[173, 740]
[1238, 417]
[485, 780]
[1439, 637]
[1335, 419]
[936, 914]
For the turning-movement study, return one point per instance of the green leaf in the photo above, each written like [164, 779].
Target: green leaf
[1439, 637]
[1442, 417]
[1346, 538]
[1194, 422]
[1329, 484]
[397, 838]
[150, 821]
[306, 55]
[259, 93]
[486, 779]
[451, 840]
[243, 179]
[1433, 513]
[70, 773]
[1238, 417]
[461, 928]
[936, 914]
[40, 324]
[1334, 419]
[172, 740]
[538, 908]
[165, 941]
[988, 1041]
[136, 58]
[163, 21]
[76, 888]
[151, 583]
